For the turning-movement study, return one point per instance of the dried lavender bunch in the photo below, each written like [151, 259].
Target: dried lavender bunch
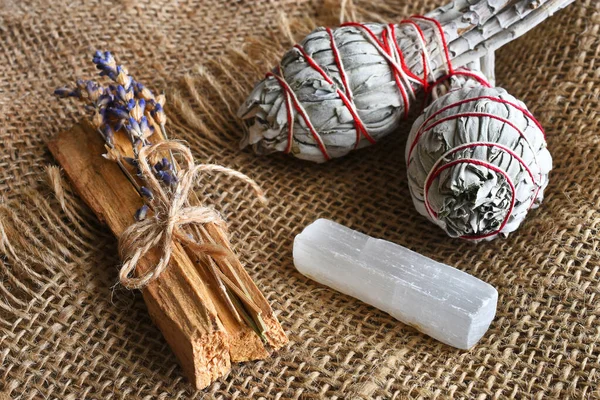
[123, 105]
[345, 88]
[477, 162]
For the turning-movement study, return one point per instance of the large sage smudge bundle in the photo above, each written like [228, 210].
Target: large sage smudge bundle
[344, 88]
[477, 162]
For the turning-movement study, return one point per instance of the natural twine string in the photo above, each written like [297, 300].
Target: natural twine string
[165, 228]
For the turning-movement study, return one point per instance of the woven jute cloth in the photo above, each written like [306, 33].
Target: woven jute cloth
[68, 331]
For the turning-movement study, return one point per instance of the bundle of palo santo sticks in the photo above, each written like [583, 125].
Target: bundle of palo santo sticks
[198, 293]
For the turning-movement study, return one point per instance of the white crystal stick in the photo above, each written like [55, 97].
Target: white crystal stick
[445, 303]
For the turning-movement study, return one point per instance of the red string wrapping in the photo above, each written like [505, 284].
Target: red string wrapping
[388, 47]
[291, 98]
[406, 82]
[360, 127]
[422, 131]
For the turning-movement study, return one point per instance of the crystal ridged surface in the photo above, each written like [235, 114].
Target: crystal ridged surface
[445, 303]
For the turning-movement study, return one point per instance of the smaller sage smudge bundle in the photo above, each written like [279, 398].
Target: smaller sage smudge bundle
[477, 162]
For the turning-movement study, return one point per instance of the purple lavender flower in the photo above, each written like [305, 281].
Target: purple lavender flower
[134, 128]
[138, 110]
[106, 63]
[166, 177]
[147, 193]
[123, 104]
[163, 165]
[93, 90]
[119, 112]
[104, 100]
[122, 78]
[159, 114]
[108, 134]
[67, 92]
[124, 95]
[144, 127]
[143, 92]
[98, 119]
[141, 213]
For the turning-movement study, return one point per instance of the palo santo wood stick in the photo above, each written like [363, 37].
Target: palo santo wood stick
[184, 300]
[200, 234]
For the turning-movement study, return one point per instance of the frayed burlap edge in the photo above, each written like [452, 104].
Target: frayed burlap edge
[542, 344]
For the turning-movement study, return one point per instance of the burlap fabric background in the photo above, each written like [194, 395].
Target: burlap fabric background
[66, 330]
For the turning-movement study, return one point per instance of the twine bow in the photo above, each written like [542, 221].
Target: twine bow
[171, 213]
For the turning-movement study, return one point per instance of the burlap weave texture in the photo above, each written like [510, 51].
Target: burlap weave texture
[66, 330]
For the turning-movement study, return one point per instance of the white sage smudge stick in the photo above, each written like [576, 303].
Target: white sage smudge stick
[345, 88]
[477, 162]
[445, 303]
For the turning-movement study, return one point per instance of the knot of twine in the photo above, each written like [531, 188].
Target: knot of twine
[172, 213]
